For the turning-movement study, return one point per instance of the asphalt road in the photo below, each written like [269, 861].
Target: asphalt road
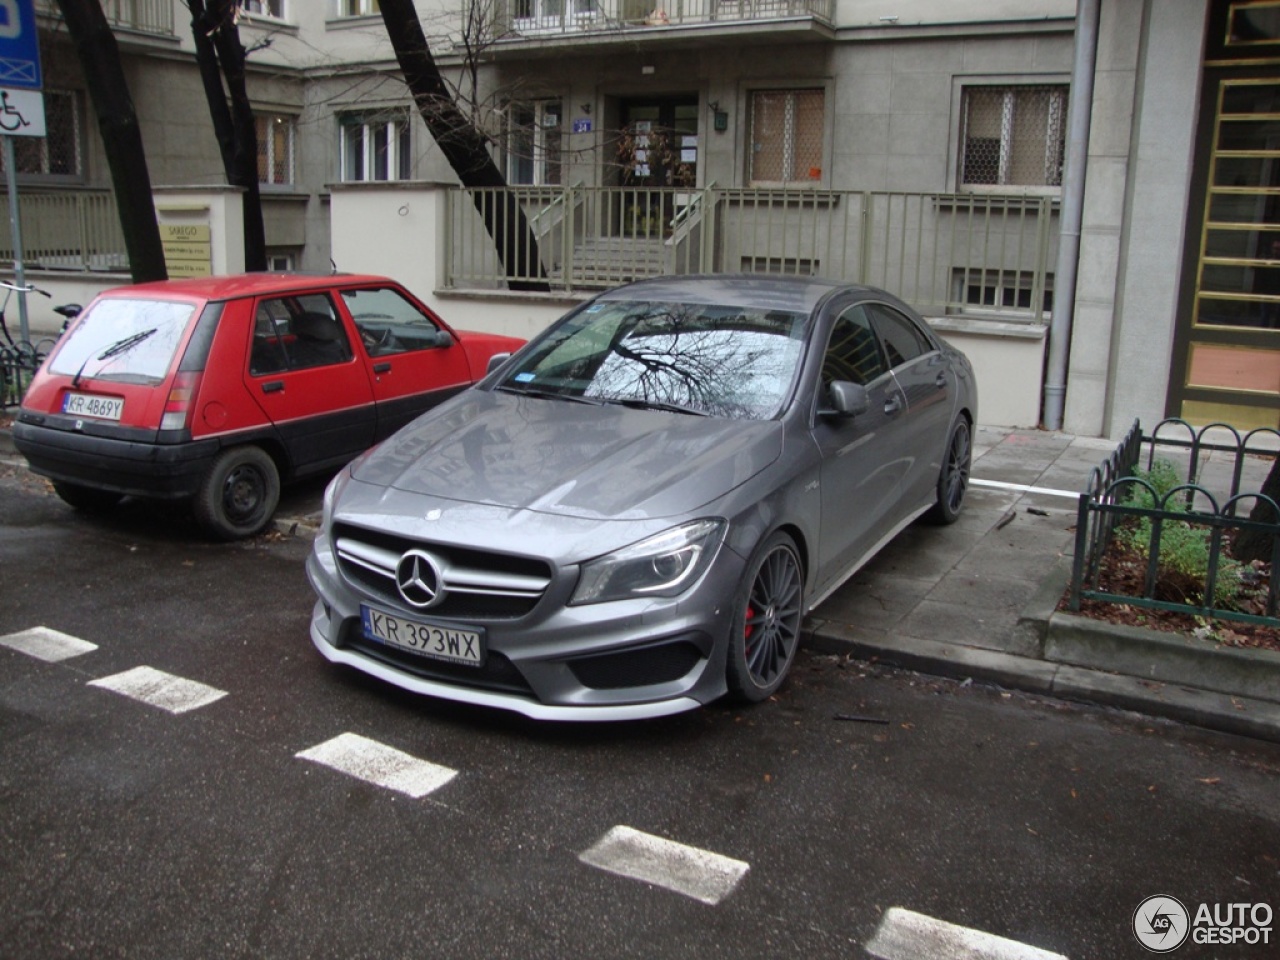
[130, 830]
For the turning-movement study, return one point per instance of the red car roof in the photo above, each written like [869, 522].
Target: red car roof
[243, 284]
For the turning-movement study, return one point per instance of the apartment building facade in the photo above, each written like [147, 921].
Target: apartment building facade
[918, 144]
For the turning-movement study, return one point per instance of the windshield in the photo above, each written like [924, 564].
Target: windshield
[723, 361]
[124, 339]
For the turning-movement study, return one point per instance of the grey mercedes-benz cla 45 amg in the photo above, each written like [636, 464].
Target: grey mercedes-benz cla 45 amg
[632, 515]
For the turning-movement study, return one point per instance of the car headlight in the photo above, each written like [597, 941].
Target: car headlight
[331, 494]
[663, 565]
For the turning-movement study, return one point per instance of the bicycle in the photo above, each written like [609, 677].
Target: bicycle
[19, 359]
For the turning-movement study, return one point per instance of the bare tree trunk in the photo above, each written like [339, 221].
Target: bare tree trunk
[222, 56]
[464, 148]
[121, 137]
[1255, 544]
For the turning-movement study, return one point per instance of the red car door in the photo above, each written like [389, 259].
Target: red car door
[310, 380]
[414, 361]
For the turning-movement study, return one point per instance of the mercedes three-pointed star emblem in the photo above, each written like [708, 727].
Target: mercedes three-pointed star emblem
[418, 579]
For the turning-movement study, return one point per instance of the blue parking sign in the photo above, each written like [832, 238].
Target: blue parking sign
[19, 45]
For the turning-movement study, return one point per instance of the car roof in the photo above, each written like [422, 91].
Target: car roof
[242, 284]
[796, 294]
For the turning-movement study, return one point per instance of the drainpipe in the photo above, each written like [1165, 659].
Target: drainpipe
[1064, 284]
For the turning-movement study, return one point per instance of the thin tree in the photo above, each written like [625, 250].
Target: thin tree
[221, 57]
[99, 58]
[464, 146]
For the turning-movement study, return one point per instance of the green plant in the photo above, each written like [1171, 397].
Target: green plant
[1184, 545]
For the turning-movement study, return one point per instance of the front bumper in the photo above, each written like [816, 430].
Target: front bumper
[135, 467]
[623, 660]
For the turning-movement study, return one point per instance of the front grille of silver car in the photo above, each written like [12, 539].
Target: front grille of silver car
[478, 585]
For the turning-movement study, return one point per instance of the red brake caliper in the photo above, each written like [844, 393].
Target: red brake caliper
[750, 627]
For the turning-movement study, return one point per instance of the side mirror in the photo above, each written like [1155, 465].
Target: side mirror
[497, 360]
[847, 399]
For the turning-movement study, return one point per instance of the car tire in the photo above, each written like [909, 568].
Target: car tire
[86, 499]
[239, 493]
[953, 478]
[768, 612]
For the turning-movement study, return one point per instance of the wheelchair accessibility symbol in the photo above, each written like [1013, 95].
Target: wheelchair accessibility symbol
[11, 119]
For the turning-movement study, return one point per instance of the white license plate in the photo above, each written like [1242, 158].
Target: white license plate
[97, 408]
[441, 642]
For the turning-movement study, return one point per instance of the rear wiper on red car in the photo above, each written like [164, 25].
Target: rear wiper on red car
[114, 350]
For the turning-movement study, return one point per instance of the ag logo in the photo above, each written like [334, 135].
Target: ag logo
[1161, 924]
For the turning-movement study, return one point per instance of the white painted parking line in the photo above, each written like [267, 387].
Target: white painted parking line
[46, 644]
[905, 935]
[699, 874]
[158, 689]
[1024, 488]
[380, 765]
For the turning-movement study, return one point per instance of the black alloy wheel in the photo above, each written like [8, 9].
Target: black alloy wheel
[766, 628]
[953, 480]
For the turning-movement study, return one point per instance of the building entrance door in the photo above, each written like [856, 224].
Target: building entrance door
[657, 156]
[1227, 350]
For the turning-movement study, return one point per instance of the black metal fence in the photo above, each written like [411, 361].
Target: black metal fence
[1112, 500]
[19, 361]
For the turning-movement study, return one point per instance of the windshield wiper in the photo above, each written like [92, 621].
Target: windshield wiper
[114, 350]
[664, 405]
[543, 393]
[128, 343]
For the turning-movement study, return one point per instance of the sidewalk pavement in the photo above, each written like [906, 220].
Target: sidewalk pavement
[977, 600]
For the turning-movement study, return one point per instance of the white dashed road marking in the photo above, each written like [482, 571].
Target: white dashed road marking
[47, 644]
[695, 873]
[904, 935]
[159, 689]
[380, 765]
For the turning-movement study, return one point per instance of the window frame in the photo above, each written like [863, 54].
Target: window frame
[960, 85]
[541, 158]
[26, 146]
[399, 143]
[268, 143]
[247, 6]
[746, 107]
[355, 8]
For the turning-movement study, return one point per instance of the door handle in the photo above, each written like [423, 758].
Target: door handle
[893, 404]
[273, 386]
[383, 367]
[941, 381]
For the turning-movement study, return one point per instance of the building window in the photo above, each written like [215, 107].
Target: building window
[1012, 136]
[375, 146]
[786, 136]
[357, 8]
[1009, 294]
[275, 148]
[58, 155]
[534, 143]
[264, 8]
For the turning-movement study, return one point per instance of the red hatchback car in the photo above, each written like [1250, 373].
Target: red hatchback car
[216, 390]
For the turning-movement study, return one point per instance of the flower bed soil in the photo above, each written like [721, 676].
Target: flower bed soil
[1124, 572]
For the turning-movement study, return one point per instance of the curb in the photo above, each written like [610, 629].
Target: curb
[1127, 668]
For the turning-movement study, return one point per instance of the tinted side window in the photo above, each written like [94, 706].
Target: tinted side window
[903, 341]
[852, 352]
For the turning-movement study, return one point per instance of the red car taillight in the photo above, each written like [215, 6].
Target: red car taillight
[177, 407]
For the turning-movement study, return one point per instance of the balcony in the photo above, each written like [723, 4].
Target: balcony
[143, 16]
[595, 21]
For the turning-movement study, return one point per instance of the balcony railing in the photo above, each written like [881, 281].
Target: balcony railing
[542, 18]
[145, 16]
[943, 253]
[69, 230]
